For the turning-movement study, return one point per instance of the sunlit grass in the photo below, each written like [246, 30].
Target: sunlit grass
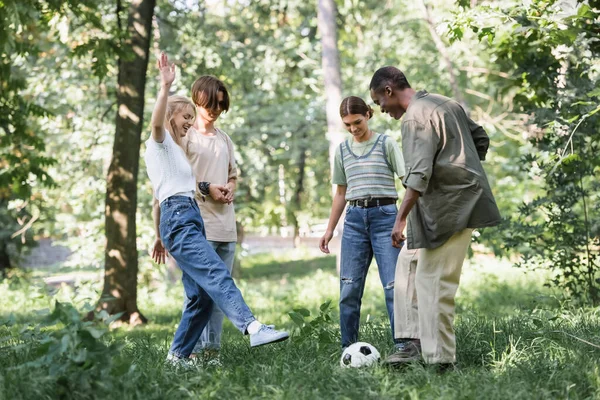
[516, 339]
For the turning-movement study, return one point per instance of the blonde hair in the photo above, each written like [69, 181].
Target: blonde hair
[175, 105]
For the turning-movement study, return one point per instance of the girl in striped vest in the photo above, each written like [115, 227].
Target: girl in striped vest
[363, 171]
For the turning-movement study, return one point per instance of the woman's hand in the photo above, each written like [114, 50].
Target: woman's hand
[324, 242]
[159, 253]
[167, 72]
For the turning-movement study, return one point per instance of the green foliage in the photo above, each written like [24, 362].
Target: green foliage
[32, 32]
[508, 346]
[72, 351]
[551, 52]
[320, 329]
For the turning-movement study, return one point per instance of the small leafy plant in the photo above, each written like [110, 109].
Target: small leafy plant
[320, 329]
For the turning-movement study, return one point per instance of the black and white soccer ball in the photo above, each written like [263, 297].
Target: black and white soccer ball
[359, 354]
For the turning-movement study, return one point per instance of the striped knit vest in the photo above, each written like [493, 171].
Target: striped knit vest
[370, 175]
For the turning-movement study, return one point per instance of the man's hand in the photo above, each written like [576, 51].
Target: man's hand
[324, 242]
[159, 253]
[398, 233]
[218, 193]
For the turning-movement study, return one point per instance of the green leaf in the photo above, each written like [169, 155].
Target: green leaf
[95, 332]
[302, 311]
[325, 306]
[297, 318]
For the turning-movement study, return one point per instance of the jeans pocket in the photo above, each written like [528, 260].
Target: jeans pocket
[390, 209]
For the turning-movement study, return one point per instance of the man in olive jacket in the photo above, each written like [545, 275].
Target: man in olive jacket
[447, 196]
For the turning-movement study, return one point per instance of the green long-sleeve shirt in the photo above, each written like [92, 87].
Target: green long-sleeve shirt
[443, 149]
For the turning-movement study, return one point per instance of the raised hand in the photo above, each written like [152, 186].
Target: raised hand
[167, 71]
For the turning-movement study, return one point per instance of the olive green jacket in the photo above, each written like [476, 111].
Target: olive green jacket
[443, 149]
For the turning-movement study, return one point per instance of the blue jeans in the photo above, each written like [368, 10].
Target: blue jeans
[211, 335]
[205, 276]
[367, 232]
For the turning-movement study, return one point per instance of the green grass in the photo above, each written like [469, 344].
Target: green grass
[516, 340]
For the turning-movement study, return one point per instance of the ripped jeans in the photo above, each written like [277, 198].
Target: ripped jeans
[367, 233]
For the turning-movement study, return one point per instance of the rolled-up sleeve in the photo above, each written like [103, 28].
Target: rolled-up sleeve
[419, 146]
[480, 138]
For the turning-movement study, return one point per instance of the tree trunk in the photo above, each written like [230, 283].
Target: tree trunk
[299, 189]
[121, 259]
[4, 259]
[330, 61]
[326, 15]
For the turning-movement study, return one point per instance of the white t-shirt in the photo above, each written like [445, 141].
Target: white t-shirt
[168, 169]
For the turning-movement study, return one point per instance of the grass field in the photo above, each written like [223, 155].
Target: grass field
[516, 340]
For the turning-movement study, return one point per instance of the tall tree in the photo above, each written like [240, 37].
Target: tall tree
[121, 259]
[27, 31]
[550, 50]
[332, 78]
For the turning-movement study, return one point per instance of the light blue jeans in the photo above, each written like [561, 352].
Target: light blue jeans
[367, 232]
[206, 278]
[211, 335]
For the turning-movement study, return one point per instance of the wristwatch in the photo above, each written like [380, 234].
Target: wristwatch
[203, 188]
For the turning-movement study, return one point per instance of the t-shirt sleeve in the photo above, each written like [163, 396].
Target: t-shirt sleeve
[394, 157]
[339, 175]
[232, 173]
[419, 146]
[158, 145]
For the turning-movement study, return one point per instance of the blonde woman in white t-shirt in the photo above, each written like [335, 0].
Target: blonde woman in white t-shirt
[206, 279]
[210, 152]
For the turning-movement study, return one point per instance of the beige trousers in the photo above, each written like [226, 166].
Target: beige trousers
[425, 286]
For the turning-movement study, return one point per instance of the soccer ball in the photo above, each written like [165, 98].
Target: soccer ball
[359, 354]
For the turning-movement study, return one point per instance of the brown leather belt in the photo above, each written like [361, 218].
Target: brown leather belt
[368, 203]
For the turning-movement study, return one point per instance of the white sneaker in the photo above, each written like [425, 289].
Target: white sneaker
[181, 363]
[266, 335]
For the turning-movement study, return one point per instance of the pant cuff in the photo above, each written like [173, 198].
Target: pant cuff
[245, 326]
[438, 359]
[208, 346]
[406, 335]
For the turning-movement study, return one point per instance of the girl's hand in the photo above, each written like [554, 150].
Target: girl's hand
[159, 253]
[324, 242]
[167, 72]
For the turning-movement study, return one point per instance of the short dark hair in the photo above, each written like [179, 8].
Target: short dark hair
[355, 105]
[388, 76]
[205, 93]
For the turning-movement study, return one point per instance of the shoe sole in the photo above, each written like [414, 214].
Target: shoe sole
[281, 339]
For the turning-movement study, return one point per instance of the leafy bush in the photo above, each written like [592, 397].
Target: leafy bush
[550, 52]
[72, 351]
